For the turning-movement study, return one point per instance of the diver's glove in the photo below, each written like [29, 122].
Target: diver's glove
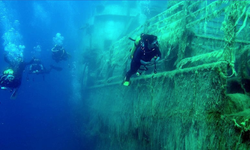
[144, 62]
[153, 60]
[157, 59]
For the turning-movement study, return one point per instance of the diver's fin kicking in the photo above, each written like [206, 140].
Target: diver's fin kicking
[56, 68]
[14, 94]
[126, 82]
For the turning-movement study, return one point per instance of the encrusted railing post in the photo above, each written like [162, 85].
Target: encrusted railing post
[232, 15]
[184, 41]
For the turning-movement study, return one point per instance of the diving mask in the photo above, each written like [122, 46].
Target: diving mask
[10, 77]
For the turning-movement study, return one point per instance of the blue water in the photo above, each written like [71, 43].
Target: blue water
[43, 116]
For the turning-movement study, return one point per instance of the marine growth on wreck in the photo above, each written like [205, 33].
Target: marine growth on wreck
[199, 97]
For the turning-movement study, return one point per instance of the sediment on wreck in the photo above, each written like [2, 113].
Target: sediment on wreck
[199, 98]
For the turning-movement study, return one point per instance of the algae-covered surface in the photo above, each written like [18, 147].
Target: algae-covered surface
[198, 99]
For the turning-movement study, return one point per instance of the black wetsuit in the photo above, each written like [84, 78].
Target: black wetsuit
[59, 54]
[38, 68]
[141, 53]
[18, 73]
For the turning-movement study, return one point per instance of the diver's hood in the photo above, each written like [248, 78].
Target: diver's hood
[8, 71]
[148, 38]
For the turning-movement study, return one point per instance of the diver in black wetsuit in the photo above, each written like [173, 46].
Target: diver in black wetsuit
[12, 77]
[38, 68]
[145, 51]
[59, 53]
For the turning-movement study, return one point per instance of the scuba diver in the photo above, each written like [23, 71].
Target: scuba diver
[38, 68]
[59, 53]
[7, 80]
[144, 52]
[11, 78]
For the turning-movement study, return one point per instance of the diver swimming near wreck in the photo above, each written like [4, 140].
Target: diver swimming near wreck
[59, 53]
[11, 78]
[37, 67]
[144, 52]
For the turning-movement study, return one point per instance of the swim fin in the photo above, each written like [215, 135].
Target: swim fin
[126, 82]
[56, 68]
[14, 94]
